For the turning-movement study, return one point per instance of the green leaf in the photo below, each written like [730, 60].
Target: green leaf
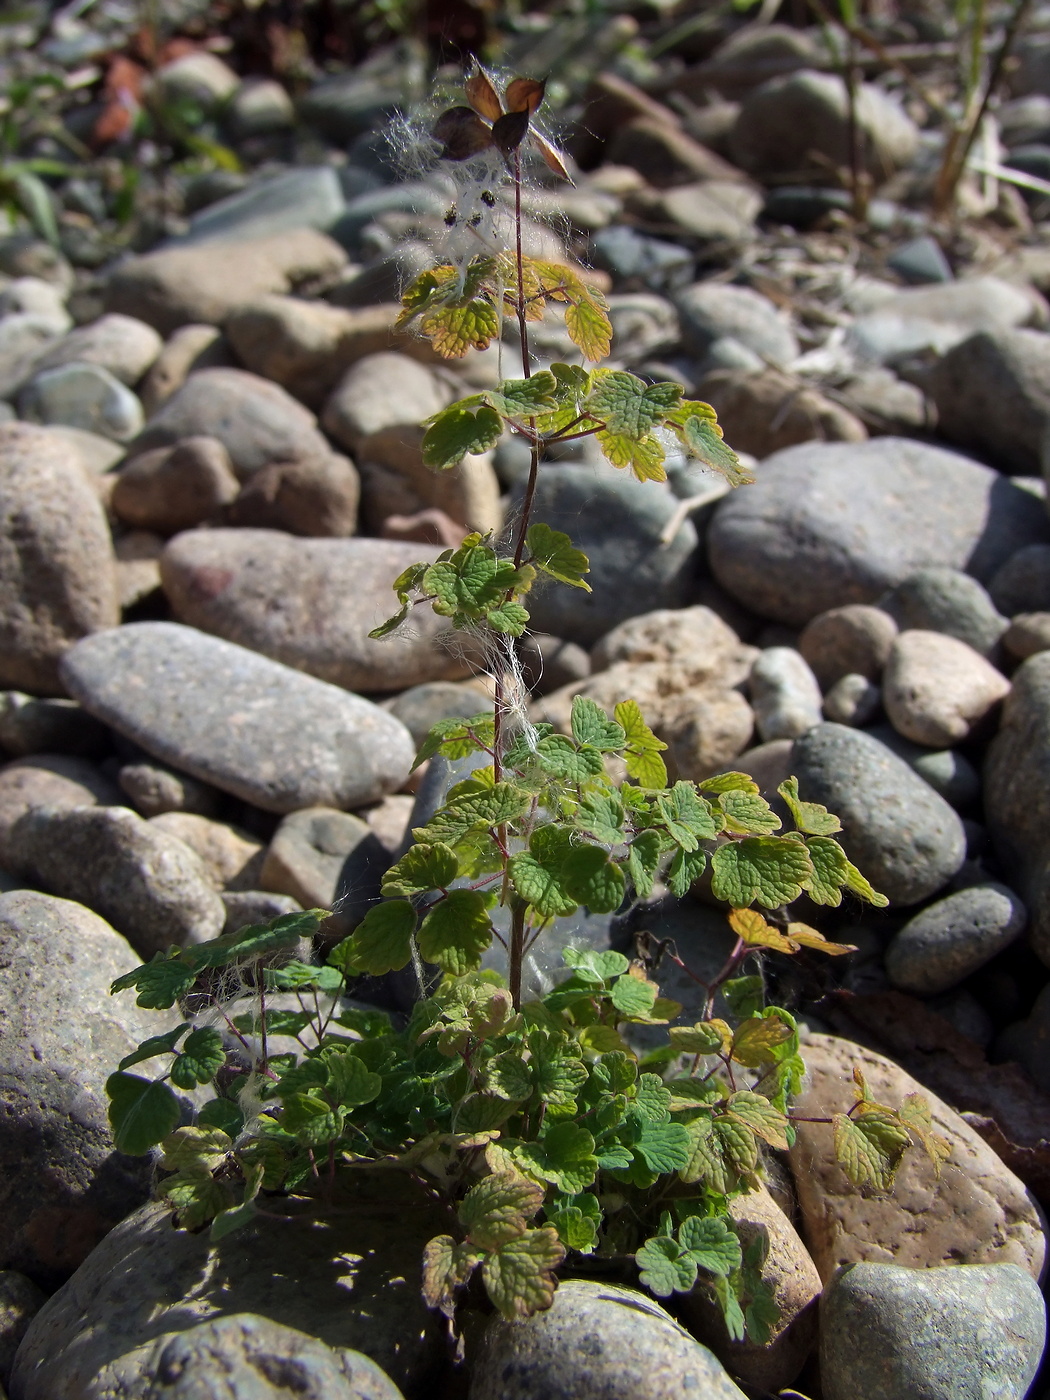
[537, 874]
[732, 1312]
[645, 456]
[554, 553]
[652, 1099]
[499, 1208]
[142, 1112]
[526, 398]
[590, 329]
[755, 1041]
[255, 940]
[760, 1116]
[297, 976]
[684, 870]
[196, 1198]
[558, 1072]
[422, 868]
[221, 1113]
[559, 756]
[228, 1222]
[697, 430]
[830, 870]
[744, 995]
[519, 1276]
[490, 807]
[643, 860]
[35, 200]
[665, 1147]
[591, 878]
[310, 1120]
[633, 996]
[703, 1038]
[454, 329]
[456, 738]
[602, 814]
[457, 431]
[728, 782]
[446, 1267]
[155, 1045]
[577, 1229]
[382, 941]
[509, 1076]
[591, 725]
[202, 1057]
[160, 983]
[747, 812]
[603, 965]
[769, 869]
[627, 405]
[858, 885]
[195, 1150]
[762, 1314]
[564, 1155]
[711, 1244]
[456, 932]
[869, 1146]
[353, 1083]
[707, 1162]
[665, 1266]
[810, 817]
[643, 747]
[738, 1145]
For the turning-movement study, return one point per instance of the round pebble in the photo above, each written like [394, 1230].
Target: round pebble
[948, 940]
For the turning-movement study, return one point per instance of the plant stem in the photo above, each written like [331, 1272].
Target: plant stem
[517, 950]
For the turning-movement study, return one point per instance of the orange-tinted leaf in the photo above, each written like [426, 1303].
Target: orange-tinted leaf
[551, 156]
[525, 94]
[482, 95]
[508, 131]
[749, 925]
[805, 937]
[462, 133]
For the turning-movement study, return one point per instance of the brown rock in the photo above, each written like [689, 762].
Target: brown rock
[138, 566]
[173, 287]
[936, 689]
[706, 729]
[57, 575]
[431, 526]
[761, 413]
[665, 154]
[315, 498]
[1027, 634]
[852, 640]
[975, 1212]
[49, 780]
[187, 349]
[154, 789]
[389, 819]
[174, 488]
[232, 858]
[326, 859]
[695, 639]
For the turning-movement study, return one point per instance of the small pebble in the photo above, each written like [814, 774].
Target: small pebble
[948, 940]
[853, 699]
[785, 694]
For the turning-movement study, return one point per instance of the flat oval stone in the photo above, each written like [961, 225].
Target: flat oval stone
[950, 939]
[246, 724]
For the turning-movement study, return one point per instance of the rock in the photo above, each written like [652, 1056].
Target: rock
[354, 1286]
[33, 296]
[173, 287]
[974, 1332]
[82, 396]
[855, 639]
[705, 729]
[921, 260]
[255, 907]
[710, 311]
[934, 319]
[187, 349]
[168, 489]
[643, 325]
[247, 1356]
[96, 455]
[828, 524]
[975, 1212]
[949, 772]
[261, 589]
[637, 261]
[256, 421]
[786, 120]
[712, 211]
[296, 201]
[138, 566]
[764, 412]
[32, 726]
[200, 78]
[694, 639]
[853, 700]
[420, 707]
[749, 57]
[390, 820]
[948, 601]
[26, 255]
[49, 780]
[259, 107]
[424, 527]
[1022, 584]
[306, 346]
[942, 945]
[121, 345]
[150, 887]
[20, 1300]
[62, 1035]
[666, 155]
[903, 837]
[1027, 634]
[270, 735]
[232, 858]
[886, 404]
[791, 1275]
[936, 689]
[318, 498]
[326, 860]
[154, 789]
[596, 1342]
[618, 523]
[24, 336]
[57, 579]
[548, 663]
[992, 393]
[785, 694]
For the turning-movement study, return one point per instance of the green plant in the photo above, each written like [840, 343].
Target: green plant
[22, 188]
[543, 1131]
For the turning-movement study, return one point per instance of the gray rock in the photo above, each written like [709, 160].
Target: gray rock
[949, 772]
[154, 789]
[783, 122]
[711, 310]
[32, 726]
[82, 396]
[617, 522]
[949, 601]
[259, 107]
[420, 707]
[937, 690]
[969, 1332]
[24, 336]
[751, 56]
[853, 640]
[1028, 633]
[353, 1285]
[256, 421]
[713, 211]
[60, 1037]
[200, 78]
[852, 700]
[246, 1357]
[20, 1300]
[270, 735]
[921, 260]
[49, 780]
[992, 393]
[317, 499]
[1022, 584]
[643, 324]
[828, 524]
[255, 907]
[636, 260]
[935, 319]
[187, 349]
[761, 413]
[174, 287]
[149, 886]
[32, 295]
[904, 838]
[326, 860]
[941, 946]
[167, 489]
[304, 197]
[596, 1342]
[57, 574]
[309, 604]
[886, 404]
[548, 663]
[785, 694]
[123, 346]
